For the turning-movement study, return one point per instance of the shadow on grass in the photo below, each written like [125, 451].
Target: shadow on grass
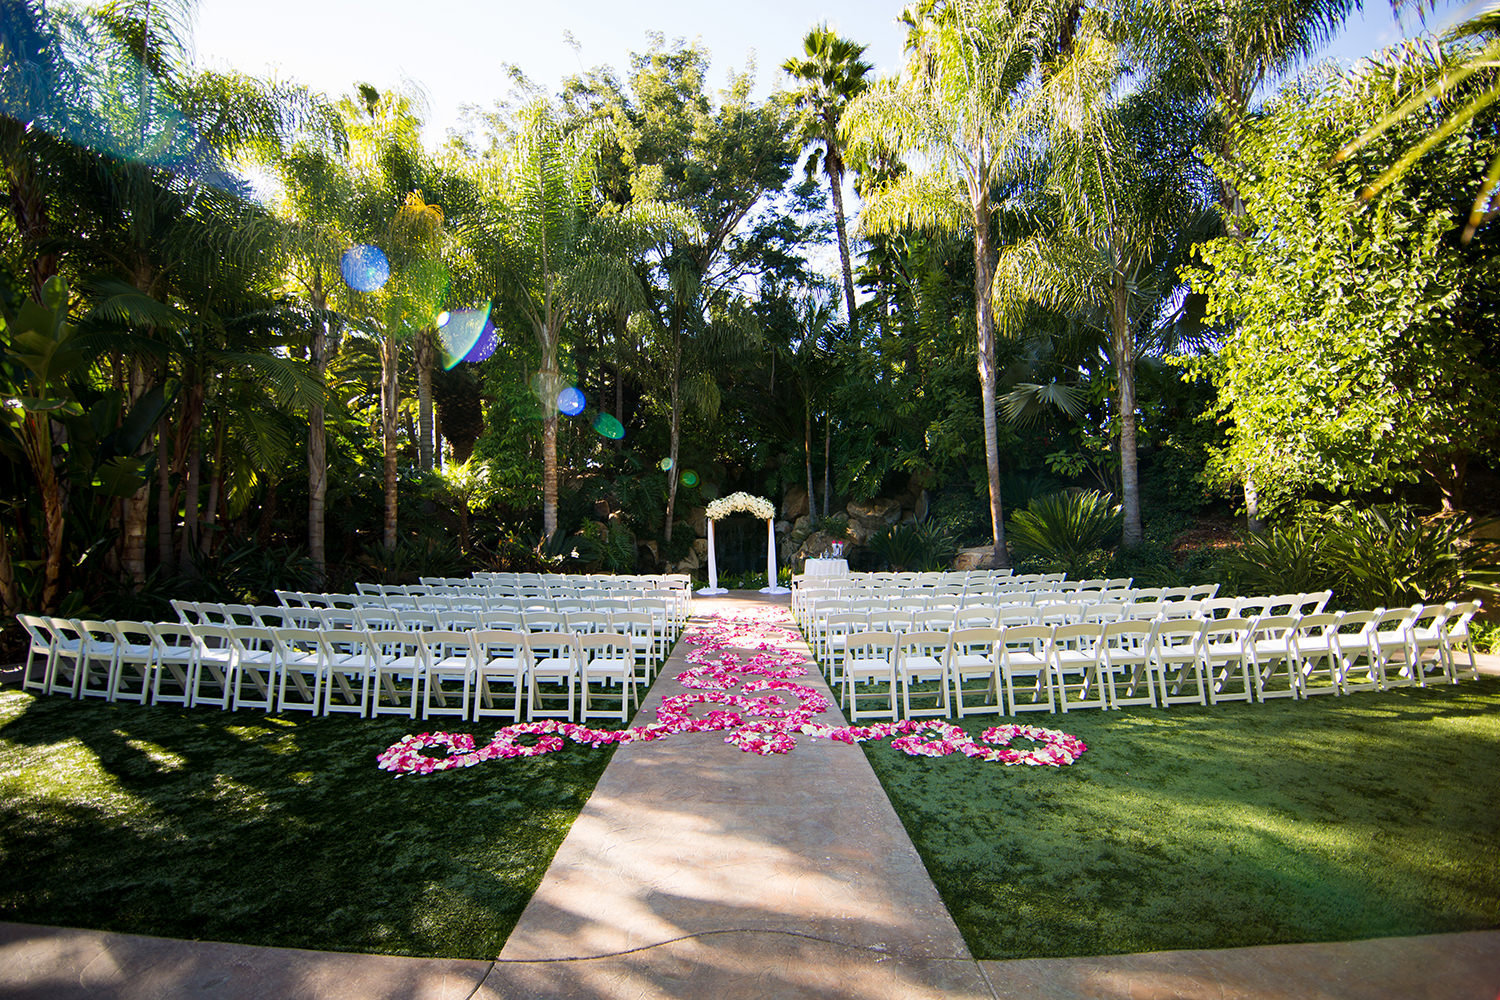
[272, 830]
[1333, 819]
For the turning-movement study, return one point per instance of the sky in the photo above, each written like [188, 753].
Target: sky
[455, 51]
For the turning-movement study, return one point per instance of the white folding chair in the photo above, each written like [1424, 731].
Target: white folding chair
[300, 674]
[96, 665]
[448, 667]
[1178, 657]
[1425, 634]
[1126, 662]
[1390, 646]
[176, 660]
[135, 662]
[502, 664]
[553, 674]
[605, 659]
[1457, 637]
[973, 655]
[214, 666]
[1315, 644]
[1272, 656]
[1075, 654]
[869, 673]
[1359, 670]
[396, 680]
[41, 642]
[1023, 654]
[1227, 660]
[921, 669]
[349, 660]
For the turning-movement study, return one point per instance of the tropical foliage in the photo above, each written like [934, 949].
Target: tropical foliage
[607, 307]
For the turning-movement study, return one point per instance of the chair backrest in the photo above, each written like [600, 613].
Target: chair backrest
[1273, 628]
[1219, 633]
[463, 621]
[604, 645]
[339, 618]
[1203, 592]
[1183, 608]
[1179, 634]
[545, 621]
[39, 631]
[174, 640]
[866, 645]
[1018, 637]
[416, 620]
[132, 633]
[587, 622]
[934, 620]
[1077, 635]
[186, 611]
[1130, 632]
[925, 642]
[981, 639]
[1459, 617]
[1218, 608]
[1146, 610]
[442, 644]
[378, 620]
[1313, 603]
[499, 644]
[1176, 593]
[1430, 617]
[1252, 607]
[893, 620]
[1148, 594]
[294, 645]
[1320, 624]
[974, 616]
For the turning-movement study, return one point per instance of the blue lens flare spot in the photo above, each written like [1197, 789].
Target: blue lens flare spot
[365, 268]
[665, 465]
[571, 401]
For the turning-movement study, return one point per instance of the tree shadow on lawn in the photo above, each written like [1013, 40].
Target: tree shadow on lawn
[1334, 819]
[244, 827]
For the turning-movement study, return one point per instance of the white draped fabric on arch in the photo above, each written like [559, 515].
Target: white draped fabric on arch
[737, 503]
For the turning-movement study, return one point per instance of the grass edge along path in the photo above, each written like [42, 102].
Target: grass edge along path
[1333, 819]
[264, 829]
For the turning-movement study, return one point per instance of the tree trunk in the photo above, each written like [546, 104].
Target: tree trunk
[389, 374]
[1124, 344]
[137, 507]
[836, 184]
[1451, 473]
[10, 593]
[209, 532]
[426, 351]
[1253, 522]
[675, 431]
[192, 536]
[317, 449]
[827, 463]
[166, 506]
[549, 474]
[984, 276]
[812, 498]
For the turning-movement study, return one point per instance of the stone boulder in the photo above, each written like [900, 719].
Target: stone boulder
[871, 517]
[698, 518]
[978, 557]
[794, 504]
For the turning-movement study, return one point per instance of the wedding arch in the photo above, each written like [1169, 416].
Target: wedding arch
[737, 503]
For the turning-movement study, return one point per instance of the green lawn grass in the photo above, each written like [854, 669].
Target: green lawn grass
[1333, 819]
[238, 826]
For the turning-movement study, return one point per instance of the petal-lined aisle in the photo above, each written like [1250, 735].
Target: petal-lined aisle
[699, 870]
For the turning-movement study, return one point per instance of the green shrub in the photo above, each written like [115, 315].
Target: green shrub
[1069, 528]
[914, 547]
[1390, 556]
[1281, 561]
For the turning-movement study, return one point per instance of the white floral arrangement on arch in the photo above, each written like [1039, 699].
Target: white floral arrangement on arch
[736, 502]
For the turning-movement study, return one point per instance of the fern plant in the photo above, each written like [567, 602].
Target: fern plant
[914, 547]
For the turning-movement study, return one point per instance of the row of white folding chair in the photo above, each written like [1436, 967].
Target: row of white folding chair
[431, 672]
[249, 666]
[647, 632]
[1192, 661]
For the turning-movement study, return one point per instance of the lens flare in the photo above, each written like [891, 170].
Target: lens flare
[608, 426]
[571, 401]
[665, 465]
[365, 268]
[485, 346]
[689, 478]
[463, 333]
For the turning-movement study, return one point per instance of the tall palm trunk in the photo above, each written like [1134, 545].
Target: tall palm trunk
[827, 463]
[549, 474]
[136, 511]
[1124, 349]
[812, 498]
[675, 432]
[317, 444]
[426, 351]
[836, 183]
[389, 374]
[984, 279]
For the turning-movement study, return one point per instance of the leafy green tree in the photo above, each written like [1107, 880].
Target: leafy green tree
[832, 74]
[1362, 340]
[1229, 50]
[963, 106]
[1121, 177]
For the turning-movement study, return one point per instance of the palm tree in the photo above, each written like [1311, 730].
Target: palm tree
[1228, 49]
[1121, 176]
[832, 74]
[543, 252]
[963, 103]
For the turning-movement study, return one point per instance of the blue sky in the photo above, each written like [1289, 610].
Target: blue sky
[455, 49]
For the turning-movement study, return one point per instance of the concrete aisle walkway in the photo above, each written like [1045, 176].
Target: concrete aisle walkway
[698, 870]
